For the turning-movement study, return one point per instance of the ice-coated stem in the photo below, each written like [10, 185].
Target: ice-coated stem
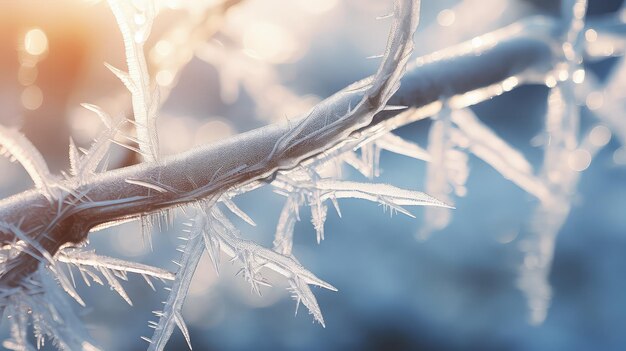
[524, 50]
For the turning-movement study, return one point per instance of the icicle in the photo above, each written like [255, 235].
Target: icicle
[447, 167]
[562, 128]
[318, 214]
[283, 239]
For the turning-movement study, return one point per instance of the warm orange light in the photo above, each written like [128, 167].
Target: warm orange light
[269, 42]
[36, 42]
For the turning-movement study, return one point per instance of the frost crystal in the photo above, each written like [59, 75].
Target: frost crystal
[14, 145]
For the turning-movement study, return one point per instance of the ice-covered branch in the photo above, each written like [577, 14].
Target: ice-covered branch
[467, 74]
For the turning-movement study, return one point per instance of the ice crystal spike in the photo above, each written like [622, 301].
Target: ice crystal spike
[183, 327]
[173, 306]
[283, 239]
[74, 158]
[147, 184]
[447, 168]
[17, 147]
[396, 144]
[254, 254]
[376, 192]
[91, 259]
[115, 284]
[303, 294]
[45, 307]
[84, 167]
[145, 102]
[318, 215]
[485, 144]
[122, 76]
[232, 206]
[104, 117]
[213, 247]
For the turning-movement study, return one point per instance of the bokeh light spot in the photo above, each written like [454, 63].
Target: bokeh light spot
[446, 18]
[32, 97]
[36, 42]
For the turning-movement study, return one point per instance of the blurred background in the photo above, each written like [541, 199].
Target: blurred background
[254, 62]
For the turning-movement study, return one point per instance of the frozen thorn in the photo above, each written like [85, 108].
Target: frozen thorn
[146, 184]
[146, 339]
[104, 117]
[123, 76]
[394, 107]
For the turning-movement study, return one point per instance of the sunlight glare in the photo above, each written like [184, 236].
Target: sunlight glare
[269, 42]
[36, 42]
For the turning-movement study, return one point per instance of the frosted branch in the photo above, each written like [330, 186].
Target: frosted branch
[523, 50]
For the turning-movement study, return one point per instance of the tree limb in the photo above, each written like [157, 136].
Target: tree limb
[524, 50]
